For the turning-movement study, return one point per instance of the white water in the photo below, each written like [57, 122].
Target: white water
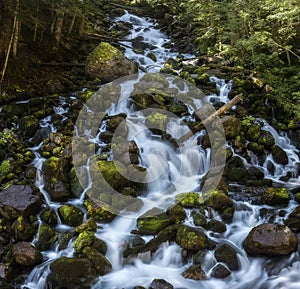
[172, 172]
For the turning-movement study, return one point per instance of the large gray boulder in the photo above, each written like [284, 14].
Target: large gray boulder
[18, 200]
[271, 239]
[108, 63]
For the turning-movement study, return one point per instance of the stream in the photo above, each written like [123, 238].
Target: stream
[172, 171]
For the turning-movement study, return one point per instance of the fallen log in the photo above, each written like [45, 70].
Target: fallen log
[108, 38]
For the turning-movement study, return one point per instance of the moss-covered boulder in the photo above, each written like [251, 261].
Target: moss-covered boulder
[49, 217]
[89, 225]
[293, 220]
[232, 126]
[191, 238]
[23, 229]
[190, 200]
[100, 262]
[275, 196]
[25, 254]
[107, 63]
[176, 213]
[29, 125]
[216, 226]
[253, 132]
[153, 221]
[218, 200]
[194, 272]
[271, 239]
[73, 273]
[46, 237]
[266, 139]
[85, 239]
[227, 255]
[99, 211]
[279, 155]
[200, 220]
[70, 215]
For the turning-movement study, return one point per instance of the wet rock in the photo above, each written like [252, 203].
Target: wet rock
[194, 272]
[293, 220]
[275, 196]
[18, 200]
[216, 226]
[176, 214]
[190, 200]
[108, 63]
[99, 211]
[200, 220]
[64, 241]
[29, 125]
[191, 238]
[153, 221]
[101, 264]
[25, 254]
[89, 225]
[232, 126]
[100, 246]
[75, 184]
[266, 139]
[218, 200]
[160, 284]
[220, 271]
[279, 155]
[70, 215]
[6, 272]
[23, 229]
[255, 147]
[227, 255]
[49, 217]
[73, 273]
[271, 239]
[253, 132]
[46, 237]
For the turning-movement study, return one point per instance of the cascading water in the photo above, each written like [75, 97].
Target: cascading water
[183, 171]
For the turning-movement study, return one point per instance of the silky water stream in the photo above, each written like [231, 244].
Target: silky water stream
[173, 171]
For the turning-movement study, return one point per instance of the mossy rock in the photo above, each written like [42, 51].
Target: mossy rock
[72, 273]
[99, 211]
[70, 215]
[49, 217]
[100, 262]
[216, 226]
[232, 126]
[218, 200]
[253, 132]
[279, 155]
[153, 221]
[23, 229]
[46, 237]
[157, 122]
[194, 272]
[293, 220]
[29, 125]
[107, 63]
[266, 139]
[227, 255]
[255, 147]
[276, 196]
[85, 239]
[89, 225]
[190, 200]
[176, 214]
[75, 185]
[191, 238]
[64, 241]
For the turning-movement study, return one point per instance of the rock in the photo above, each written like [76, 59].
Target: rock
[279, 155]
[220, 271]
[29, 125]
[227, 255]
[23, 229]
[85, 239]
[194, 272]
[70, 215]
[49, 217]
[6, 272]
[200, 220]
[73, 273]
[176, 214]
[271, 239]
[293, 220]
[160, 284]
[266, 139]
[18, 200]
[153, 221]
[101, 264]
[108, 63]
[253, 132]
[275, 196]
[216, 226]
[100, 246]
[99, 211]
[191, 238]
[26, 254]
[46, 238]
[232, 126]
[89, 225]
[218, 200]
[255, 147]
[189, 200]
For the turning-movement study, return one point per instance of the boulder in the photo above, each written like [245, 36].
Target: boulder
[190, 200]
[108, 63]
[73, 273]
[266, 139]
[271, 239]
[85, 239]
[293, 220]
[275, 196]
[70, 215]
[18, 200]
[29, 125]
[23, 229]
[194, 272]
[191, 238]
[26, 254]
[220, 271]
[232, 126]
[160, 284]
[218, 200]
[176, 213]
[47, 237]
[227, 255]
[152, 221]
[279, 155]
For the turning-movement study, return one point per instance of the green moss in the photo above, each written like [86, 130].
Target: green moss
[104, 52]
[84, 239]
[89, 225]
[70, 215]
[99, 212]
[46, 237]
[218, 200]
[190, 200]
[5, 167]
[276, 196]
[157, 121]
[191, 238]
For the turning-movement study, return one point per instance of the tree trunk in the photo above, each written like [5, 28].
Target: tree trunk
[72, 24]
[36, 23]
[58, 28]
[17, 28]
[81, 27]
